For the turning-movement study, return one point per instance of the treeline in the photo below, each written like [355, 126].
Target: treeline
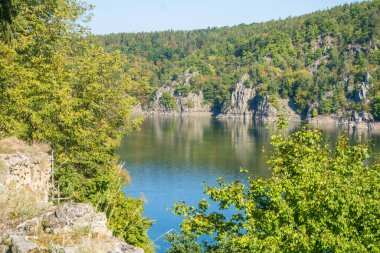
[58, 87]
[327, 57]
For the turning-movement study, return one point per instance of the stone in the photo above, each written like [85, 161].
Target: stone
[191, 104]
[71, 216]
[20, 244]
[25, 169]
[246, 104]
[363, 89]
[240, 101]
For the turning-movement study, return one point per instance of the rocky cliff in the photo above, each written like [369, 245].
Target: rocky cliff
[189, 104]
[247, 104]
[241, 97]
[29, 223]
[178, 99]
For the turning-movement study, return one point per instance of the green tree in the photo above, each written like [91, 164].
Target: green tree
[58, 86]
[167, 100]
[317, 200]
[376, 106]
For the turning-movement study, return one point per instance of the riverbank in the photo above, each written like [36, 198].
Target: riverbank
[318, 121]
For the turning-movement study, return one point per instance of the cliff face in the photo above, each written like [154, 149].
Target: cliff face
[246, 104]
[240, 101]
[177, 98]
[189, 104]
[29, 223]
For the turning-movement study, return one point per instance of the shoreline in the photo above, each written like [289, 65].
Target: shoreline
[325, 121]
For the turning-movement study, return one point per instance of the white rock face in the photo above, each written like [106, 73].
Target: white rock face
[192, 104]
[246, 104]
[240, 101]
[363, 89]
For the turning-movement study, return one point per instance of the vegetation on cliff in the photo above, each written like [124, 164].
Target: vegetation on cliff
[317, 200]
[329, 57]
[58, 87]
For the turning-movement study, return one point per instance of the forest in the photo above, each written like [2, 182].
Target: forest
[329, 58]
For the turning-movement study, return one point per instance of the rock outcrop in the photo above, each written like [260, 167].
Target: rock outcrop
[240, 101]
[363, 89]
[269, 108]
[246, 104]
[355, 120]
[29, 223]
[184, 101]
[185, 104]
[69, 228]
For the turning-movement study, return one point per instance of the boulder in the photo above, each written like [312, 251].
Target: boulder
[73, 216]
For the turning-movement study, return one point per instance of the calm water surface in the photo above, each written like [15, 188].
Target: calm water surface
[171, 159]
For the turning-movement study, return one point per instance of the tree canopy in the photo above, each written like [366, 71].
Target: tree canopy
[318, 200]
[58, 86]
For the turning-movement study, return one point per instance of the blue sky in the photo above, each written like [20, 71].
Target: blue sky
[158, 15]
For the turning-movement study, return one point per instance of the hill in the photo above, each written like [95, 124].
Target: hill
[319, 64]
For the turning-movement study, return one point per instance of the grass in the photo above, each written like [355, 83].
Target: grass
[18, 205]
[13, 145]
[81, 239]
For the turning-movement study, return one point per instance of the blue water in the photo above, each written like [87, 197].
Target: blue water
[172, 159]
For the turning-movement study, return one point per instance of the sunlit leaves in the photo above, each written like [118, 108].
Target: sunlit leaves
[317, 200]
[58, 87]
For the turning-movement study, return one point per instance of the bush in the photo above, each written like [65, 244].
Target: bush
[167, 100]
[317, 200]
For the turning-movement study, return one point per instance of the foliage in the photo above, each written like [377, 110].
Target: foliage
[376, 106]
[302, 58]
[315, 112]
[167, 100]
[182, 91]
[318, 200]
[58, 87]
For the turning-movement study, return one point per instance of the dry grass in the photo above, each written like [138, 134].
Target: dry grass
[18, 205]
[13, 145]
[3, 172]
[81, 239]
[63, 239]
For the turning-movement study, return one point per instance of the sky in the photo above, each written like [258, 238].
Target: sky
[113, 16]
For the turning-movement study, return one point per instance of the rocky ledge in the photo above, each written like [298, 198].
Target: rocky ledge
[30, 223]
[69, 228]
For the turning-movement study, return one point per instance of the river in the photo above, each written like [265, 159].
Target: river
[172, 159]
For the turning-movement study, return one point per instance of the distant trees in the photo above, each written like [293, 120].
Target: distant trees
[317, 200]
[334, 46]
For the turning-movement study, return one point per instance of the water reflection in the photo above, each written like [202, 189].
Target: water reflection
[170, 158]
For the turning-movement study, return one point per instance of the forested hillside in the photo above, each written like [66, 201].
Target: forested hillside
[326, 60]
